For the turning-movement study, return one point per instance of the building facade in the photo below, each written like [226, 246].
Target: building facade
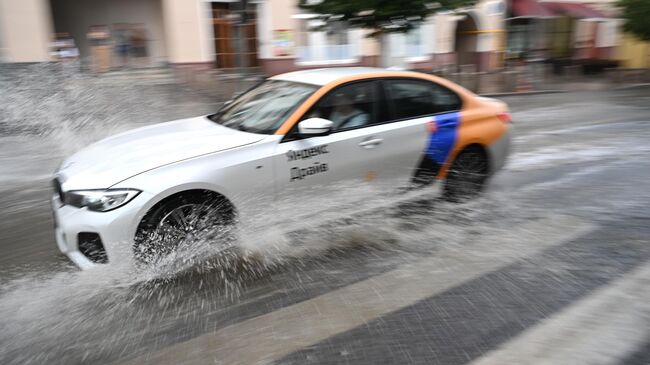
[172, 31]
[274, 35]
[271, 35]
[466, 36]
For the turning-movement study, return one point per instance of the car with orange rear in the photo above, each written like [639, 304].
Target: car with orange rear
[305, 138]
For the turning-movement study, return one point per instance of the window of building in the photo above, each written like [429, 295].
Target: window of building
[495, 8]
[517, 35]
[335, 44]
[415, 42]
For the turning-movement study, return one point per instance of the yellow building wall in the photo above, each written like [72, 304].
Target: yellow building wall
[187, 31]
[633, 53]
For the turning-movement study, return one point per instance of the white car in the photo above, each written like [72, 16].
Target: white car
[136, 196]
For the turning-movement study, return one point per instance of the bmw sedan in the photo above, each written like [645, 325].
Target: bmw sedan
[138, 196]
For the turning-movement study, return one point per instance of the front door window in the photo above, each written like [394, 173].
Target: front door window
[351, 106]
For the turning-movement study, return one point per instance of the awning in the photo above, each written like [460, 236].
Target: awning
[575, 10]
[528, 9]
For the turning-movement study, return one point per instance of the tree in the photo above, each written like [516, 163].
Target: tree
[637, 16]
[379, 16]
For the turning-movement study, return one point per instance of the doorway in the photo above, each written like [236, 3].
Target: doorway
[466, 46]
[228, 45]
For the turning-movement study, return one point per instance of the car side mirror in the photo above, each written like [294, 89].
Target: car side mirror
[313, 127]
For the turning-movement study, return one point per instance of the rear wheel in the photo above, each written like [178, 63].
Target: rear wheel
[467, 175]
[182, 221]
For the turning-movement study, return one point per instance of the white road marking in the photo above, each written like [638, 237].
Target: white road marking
[600, 329]
[274, 335]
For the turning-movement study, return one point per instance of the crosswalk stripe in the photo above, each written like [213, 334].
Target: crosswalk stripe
[600, 329]
[274, 335]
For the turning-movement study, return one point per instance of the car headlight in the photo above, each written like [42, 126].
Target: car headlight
[100, 200]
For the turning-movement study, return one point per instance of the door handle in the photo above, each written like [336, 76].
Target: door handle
[371, 142]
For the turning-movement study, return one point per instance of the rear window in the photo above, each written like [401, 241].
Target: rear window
[415, 98]
[445, 100]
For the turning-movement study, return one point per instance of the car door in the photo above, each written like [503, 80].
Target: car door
[424, 117]
[336, 168]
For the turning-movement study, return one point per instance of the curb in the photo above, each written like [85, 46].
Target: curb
[514, 93]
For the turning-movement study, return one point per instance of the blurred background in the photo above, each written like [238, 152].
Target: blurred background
[487, 45]
[550, 266]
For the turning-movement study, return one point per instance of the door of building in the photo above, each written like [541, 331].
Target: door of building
[228, 45]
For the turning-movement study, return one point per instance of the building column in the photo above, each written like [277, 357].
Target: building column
[25, 30]
[275, 16]
[188, 32]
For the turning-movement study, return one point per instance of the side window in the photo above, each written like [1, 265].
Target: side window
[349, 106]
[415, 98]
[445, 100]
[410, 98]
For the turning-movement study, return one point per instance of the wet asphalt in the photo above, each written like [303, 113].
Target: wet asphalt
[579, 158]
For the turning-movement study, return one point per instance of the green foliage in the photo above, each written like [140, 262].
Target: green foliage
[380, 16]
[637, 17]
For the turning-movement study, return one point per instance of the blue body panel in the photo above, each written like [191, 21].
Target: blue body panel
[443, 137]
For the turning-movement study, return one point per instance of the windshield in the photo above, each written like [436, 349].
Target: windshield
[264, 108]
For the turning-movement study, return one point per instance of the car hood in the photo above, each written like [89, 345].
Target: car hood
[124, 155]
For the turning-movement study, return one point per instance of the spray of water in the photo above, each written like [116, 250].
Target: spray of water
[48, 112]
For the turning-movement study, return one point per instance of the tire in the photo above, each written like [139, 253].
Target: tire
[426, 173]
[181, 221]
[467, 175]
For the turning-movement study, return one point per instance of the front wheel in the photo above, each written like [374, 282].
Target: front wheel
[196, 220]
[467, 175]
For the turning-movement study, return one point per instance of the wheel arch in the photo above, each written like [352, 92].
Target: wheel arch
[162, 199]
[171, 194]
[484, 150]
[147, 223]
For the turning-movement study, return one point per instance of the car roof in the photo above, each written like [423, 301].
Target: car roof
[323, 76]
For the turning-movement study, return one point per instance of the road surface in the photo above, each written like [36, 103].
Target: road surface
[551, 266]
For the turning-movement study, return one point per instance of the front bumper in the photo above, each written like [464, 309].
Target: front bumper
[116, 230]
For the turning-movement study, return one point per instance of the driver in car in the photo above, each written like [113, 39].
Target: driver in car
[345, 114]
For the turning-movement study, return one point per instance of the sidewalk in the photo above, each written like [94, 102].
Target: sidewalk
[538, 78]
